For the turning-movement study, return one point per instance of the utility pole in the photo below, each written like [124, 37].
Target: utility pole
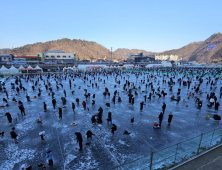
[111, 56]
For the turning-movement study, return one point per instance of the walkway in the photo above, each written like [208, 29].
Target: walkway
[210, 160]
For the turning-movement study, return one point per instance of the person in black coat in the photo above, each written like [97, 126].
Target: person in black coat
[170, 118]
[79, 139]
[14, 100]
[217, 106]
[44, 106]
[100, 112]
[200, 103]
[9, 117]
[54, 102]
[99, 118]
[77, 101]
[4, 100]
[22, 109]
[160, 118]
[60, 113]
[64, 91]
[73, 107]
[93, 102]
[132, 101]
[164, 107]
[113, 128]
[141, 106]
[63, 101]
[14, 135]
[93, 119]
[109, 119]
[28, 98]
[89, 137]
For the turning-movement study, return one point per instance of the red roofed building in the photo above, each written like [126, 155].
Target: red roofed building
[29, 59]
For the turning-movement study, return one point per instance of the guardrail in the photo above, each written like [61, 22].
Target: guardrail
[171, 156]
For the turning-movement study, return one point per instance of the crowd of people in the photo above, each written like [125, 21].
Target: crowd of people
[147, 87]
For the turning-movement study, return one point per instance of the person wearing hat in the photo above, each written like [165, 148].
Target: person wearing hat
[9, 117]
[79, 139]
[113, 128]
[170, 118]
[14, 135]
[163, 107]
[160, 118]
[49, 156]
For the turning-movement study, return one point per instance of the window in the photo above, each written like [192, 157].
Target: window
[58, 56]
[69, 56]
[64, 56]
[52, 56]
[47, 56]
[4, 58]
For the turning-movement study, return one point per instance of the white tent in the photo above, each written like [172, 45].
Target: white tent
[128, 66]
[21, 67]
[153, 65]
[64, 69]
[38, 68]
[74, 68]
[113, 67]
[91, 67]
[166, 64]
[13, 70]
[29, 67]
[4, 70]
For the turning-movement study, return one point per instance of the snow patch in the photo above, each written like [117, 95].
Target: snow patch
[70, 158]
[15, 155]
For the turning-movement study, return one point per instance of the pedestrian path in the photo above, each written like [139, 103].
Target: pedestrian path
[209, 160]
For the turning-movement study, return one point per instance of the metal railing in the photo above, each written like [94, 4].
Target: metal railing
[171, 156]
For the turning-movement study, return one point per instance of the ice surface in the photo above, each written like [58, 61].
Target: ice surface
[107, 151]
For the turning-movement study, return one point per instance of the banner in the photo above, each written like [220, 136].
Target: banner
[211, 47]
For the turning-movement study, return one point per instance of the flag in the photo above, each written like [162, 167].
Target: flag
[211, 47]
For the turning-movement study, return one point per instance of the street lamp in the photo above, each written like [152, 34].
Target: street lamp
[111, 56]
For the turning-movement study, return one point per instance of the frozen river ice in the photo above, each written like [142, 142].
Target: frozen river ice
[107, 151]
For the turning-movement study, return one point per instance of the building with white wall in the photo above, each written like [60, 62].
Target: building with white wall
[6, 58]
[167, 57]
[59, 57]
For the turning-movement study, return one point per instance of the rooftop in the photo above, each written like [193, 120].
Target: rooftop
[54, 52]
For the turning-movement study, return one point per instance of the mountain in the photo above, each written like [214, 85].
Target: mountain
[3, 50]
[197, 51]
[127, 52]
[83, 49]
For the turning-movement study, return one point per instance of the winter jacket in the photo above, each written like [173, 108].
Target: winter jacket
[84, 104]
[114, 127]
[48, 154]
[78, 136]
[160, 116]
[13, 134]
[89, 134]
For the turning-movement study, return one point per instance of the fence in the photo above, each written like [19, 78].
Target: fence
[171, 156]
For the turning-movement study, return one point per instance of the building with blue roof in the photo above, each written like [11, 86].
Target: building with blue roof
[54, 52]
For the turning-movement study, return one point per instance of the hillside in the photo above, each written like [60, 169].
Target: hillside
[124, 52]
[3, 50]
[197, 51]
[83, 49]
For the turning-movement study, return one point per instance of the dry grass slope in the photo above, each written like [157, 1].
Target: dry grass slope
[196, 51]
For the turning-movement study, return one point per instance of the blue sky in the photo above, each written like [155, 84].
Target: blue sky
[143, 24]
